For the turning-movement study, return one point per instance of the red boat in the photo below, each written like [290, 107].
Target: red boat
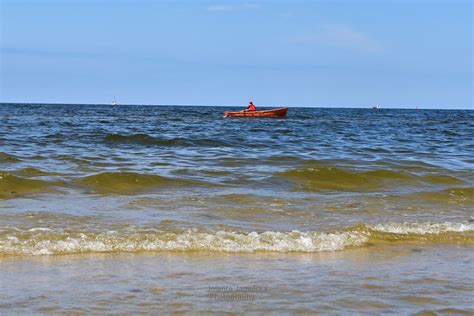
[280, 112]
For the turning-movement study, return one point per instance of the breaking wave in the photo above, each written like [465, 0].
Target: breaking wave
[51, 241]
[25, 182]
[12, 186]
[129, 182]
[337, 179]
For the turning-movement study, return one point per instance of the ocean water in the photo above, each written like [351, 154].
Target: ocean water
[142, 209]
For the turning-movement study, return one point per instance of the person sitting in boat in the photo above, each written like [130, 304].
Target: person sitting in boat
[251, 107]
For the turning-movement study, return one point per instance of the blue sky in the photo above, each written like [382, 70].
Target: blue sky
[346, 53]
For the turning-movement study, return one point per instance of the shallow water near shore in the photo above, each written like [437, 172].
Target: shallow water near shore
[382, 278]
[312, 205]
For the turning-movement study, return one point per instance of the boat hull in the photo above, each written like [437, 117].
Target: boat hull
[280, 112]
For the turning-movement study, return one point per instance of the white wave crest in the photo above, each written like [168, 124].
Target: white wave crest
[39, 241]
[48, 243]
[424, 228]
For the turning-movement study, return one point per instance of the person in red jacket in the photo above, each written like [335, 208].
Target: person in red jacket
[251, 107]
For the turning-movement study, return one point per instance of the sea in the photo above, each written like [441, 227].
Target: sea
[140, 209]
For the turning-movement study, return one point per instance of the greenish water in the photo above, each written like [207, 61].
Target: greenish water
[92, 185]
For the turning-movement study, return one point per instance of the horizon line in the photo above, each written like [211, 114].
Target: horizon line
[266, 106]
